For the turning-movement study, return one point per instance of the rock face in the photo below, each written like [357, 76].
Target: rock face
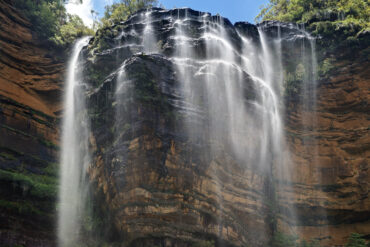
[156, 187]
[332, 187]
[152, 184]
[329, 143]
[159, 186]
[30, 93]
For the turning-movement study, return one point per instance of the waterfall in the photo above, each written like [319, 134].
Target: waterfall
[249, 125]
[229, 87]
[75, 156]
[149, 41]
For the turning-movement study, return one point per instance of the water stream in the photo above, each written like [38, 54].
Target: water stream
[75, 154]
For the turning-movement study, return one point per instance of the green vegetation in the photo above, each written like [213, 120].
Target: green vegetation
[349, 16]
[326, 66]
[204, 244]
[71, 30]
[356, 240]
[21, 207]
[120, 11]
[283, 240]
[35, 185]
[51, 21]
[52, 169]
[293, 80]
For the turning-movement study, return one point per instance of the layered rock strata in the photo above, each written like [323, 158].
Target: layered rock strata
[161, 188]
[31, 76]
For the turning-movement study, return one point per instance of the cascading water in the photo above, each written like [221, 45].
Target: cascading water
[252, 128]
[230, 92]
[75, 156]
[149, 41]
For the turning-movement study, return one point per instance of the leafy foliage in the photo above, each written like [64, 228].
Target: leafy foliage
[73, 29]
[356, 240]
[326, 66]
[294, 80]
[121, 10]
[51, 21]
[352, 14]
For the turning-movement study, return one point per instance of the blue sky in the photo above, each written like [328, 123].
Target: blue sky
[234, 10]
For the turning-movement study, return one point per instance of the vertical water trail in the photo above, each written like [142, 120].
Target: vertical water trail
[309, 62]
[75, 155]
[149, 41]
[264, 64]
[309, 121]
[271, 123]
[186, 64]
[305, 71]
[313, 88]
[223, 78]
[121, 96]
[216, 80]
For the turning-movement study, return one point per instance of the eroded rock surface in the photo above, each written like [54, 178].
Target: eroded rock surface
[31, 76]
[162, 188]
[152, 184]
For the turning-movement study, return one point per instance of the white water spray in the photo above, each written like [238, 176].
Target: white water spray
[149, 40]
[74, 154]
[236, 89]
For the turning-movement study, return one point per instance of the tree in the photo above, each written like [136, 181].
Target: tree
[338, 19]
[122, 10]
[51, 22]
[305, 10]
[73, 29]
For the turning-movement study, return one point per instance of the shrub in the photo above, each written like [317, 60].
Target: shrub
[284, 240]
[326, 67]
[356, 240]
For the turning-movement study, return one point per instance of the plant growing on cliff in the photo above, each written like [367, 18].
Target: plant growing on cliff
[123, 9]
[204, 244]
[348, 17]
[284, 240]
[356, 240]
[355, 11]
[326, 67]
[293, 80]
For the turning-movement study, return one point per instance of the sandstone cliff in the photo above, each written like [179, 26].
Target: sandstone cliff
[332, 187]
[31, 76]
[153, 186]
[160, 188]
